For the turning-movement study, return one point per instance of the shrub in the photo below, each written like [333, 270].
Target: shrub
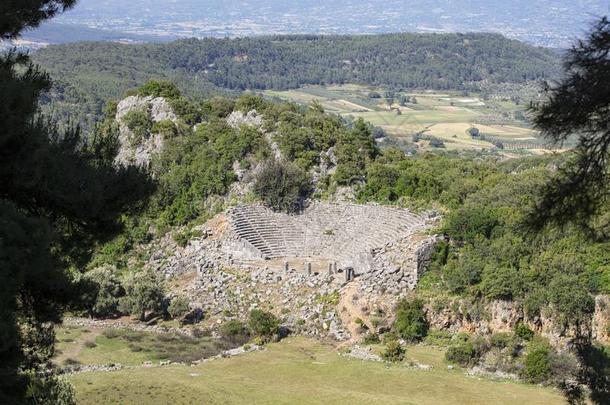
[111, 333]
[473, 132]
[104, 290]
[49, 388]
[139, 123]
[535, 302]
[463, 354]
[90, 344]
[362, 327]
[524, 332]
[372, 338]
[500, 282]
[537, 362]
[467, 350]
[569, 297]
[389, 336]
[159, 88]
[178, 307]
[437, 143]
[501, 340]
[183, 238]
[438, 337]
[249, 102]
[71, 362]
[411, 323]
[281, 185]
[165, 128]
[462, 272]
[144, 293]
[234, 330]
[135, 348]
[393, 352]
[189, 112]
[469, 224]
[263, 324]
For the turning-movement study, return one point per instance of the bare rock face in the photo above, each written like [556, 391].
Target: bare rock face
[505, 315]
[139, 152]
[251, 119]
[601, 319]
[327, 167]
[498, 316]
[328, 162]
[562, 337]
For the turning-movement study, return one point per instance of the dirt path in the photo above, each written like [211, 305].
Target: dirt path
[350, 309]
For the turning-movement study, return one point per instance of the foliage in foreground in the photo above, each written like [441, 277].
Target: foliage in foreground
[58, 195]
[580, 191]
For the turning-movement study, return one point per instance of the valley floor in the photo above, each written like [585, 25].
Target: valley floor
[300, 370]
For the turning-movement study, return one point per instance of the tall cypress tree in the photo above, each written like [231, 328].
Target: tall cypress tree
[57, 195]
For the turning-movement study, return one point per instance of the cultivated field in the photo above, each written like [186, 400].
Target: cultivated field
[431, 115]
[296, 370]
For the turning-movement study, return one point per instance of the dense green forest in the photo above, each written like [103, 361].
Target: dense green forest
[88, 74]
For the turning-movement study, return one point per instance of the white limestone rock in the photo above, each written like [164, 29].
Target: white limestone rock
[251, 119]
[140, 152]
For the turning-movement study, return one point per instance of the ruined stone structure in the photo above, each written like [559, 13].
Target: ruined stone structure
[308, 263]
[343, 235]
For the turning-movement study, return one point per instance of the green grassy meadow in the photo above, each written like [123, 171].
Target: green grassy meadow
[300, 370]
[131, 348]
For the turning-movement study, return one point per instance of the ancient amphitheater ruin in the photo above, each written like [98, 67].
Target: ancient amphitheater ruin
[251, 256]
[323, 237]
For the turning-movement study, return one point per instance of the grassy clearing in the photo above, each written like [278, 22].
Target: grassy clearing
[299, 370]
[131, 348]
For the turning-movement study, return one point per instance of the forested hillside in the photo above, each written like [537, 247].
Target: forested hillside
[489, 254]
[88, 74]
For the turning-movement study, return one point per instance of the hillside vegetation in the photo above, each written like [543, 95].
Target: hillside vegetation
[491, 255]
[86, 75]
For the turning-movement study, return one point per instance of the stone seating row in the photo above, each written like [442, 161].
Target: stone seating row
[322, 229]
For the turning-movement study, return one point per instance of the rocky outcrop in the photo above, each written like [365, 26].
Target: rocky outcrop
[139, 152]
[363, 353]
[252, 119]
[485, 318]
[327, 167]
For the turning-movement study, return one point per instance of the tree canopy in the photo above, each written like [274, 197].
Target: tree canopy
[17, 15]
[578, 106]
[58, 194]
